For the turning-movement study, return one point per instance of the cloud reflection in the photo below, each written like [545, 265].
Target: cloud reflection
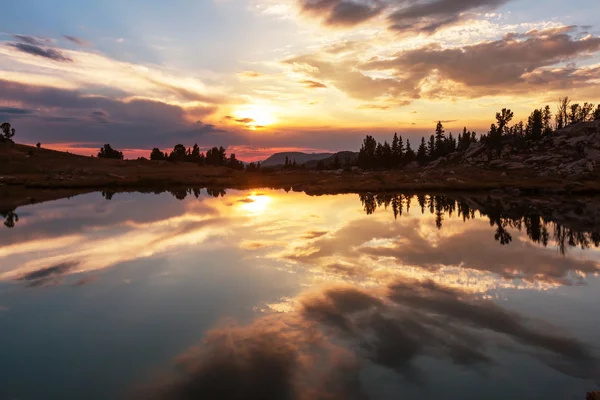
[319, 350]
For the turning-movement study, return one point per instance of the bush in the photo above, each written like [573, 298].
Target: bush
[108, 152]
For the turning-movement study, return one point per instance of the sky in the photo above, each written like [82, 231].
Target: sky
[262, 76]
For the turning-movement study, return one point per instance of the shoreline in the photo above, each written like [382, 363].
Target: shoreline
[17, 191]
[30, 175]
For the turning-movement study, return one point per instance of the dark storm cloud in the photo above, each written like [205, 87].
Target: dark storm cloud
[428, 16]
[318, 351]
[39, 51]
[342, 12]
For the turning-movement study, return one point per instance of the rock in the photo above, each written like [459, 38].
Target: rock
[451, 180]
[503, 174]
[590, 166]
[412, 165]
[451, 172]
[592, 154]
[474, 150]
[515, 165]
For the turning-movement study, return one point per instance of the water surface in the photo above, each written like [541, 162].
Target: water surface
[274, 295]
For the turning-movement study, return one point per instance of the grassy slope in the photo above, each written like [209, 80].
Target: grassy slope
[26, 174]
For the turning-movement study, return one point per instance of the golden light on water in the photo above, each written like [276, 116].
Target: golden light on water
[256, 204]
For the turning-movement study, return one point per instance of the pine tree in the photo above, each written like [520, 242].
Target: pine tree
[546, 120]
[431, 152]
[410, 154]
[440, 140]
[396, 152]
[422, 152]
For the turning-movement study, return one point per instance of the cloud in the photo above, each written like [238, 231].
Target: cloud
[249, 74]
[373, 107]
[39, 51]
[77, 40]
[423, 16]
[244, 121]
[513, 65]
[99, 116]
[185, 93]
[496, 67]
[147, 122]
[313, 84]
[47, 276]
[314, 234]
[59, 269]
[15, 111]
[344, 76]
[342, 12]
[404, 16]
[32, 40]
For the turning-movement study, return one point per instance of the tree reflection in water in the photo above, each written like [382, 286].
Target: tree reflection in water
[537, 223]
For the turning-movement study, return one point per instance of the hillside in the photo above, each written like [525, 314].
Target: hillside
[344, 157]
[301, 158]
[573, 151]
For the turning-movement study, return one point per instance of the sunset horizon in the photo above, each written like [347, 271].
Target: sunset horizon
[265, 76]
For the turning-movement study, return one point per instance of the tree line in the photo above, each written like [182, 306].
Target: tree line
[215, 156]
[400, 153]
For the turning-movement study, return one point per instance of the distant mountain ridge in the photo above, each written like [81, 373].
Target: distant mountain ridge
[344, 157]
[301, 158]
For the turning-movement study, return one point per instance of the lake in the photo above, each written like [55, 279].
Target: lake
[279, 295]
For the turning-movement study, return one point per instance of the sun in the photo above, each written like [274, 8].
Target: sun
[256, 116]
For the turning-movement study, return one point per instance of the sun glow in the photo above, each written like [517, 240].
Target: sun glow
[255, 116]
